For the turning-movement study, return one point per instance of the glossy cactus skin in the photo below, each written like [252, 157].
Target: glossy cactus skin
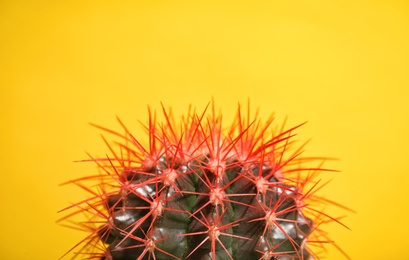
[202, 191]
[202, 206]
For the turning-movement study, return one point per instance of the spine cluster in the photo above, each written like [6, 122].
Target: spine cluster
[199, 190]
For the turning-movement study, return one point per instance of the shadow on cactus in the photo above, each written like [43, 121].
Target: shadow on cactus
[199, 190]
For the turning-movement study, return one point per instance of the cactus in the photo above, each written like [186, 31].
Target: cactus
[199, 190]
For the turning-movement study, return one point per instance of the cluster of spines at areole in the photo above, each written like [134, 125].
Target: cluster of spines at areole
[200, 190]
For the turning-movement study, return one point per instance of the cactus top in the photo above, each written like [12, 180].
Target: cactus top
[198, 190]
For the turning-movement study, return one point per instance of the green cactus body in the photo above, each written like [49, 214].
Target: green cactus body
[199, 191]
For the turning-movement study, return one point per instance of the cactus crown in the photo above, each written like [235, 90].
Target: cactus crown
[199, 190]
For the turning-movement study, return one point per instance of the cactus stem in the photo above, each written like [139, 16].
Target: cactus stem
[202, 191]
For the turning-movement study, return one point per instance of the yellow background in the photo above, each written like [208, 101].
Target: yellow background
[341, 65]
